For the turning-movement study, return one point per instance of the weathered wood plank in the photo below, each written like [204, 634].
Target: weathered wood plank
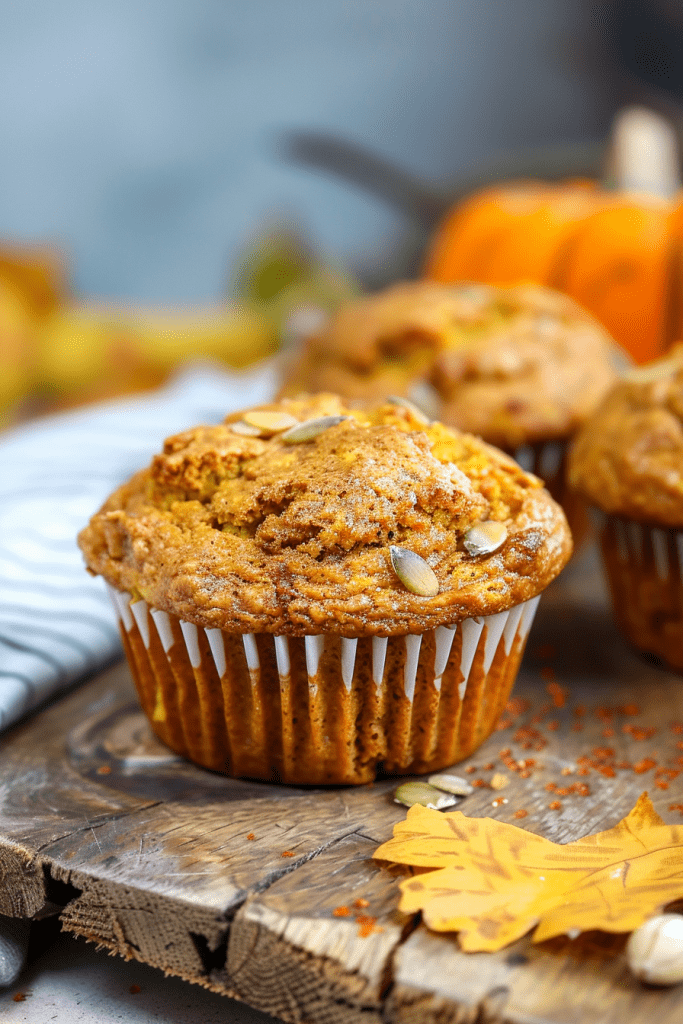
[150, 856]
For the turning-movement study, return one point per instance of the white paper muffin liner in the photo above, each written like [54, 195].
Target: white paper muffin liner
[644, 569]
[420, 702]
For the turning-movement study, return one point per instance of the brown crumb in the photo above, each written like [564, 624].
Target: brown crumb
[554, 725]
[661, 784]
[360, 903]
[104, 769]
[580, 710]
[555, 805]
[488, 767]
[134, 989]
[644, 765]
[251, 836]
[286, 853]
[676, 807]
[470, 769]
[608, 733]
[567, 771]
[341, 912]
[19, 997]
[557, 693]
[366, 925]
[521, 813]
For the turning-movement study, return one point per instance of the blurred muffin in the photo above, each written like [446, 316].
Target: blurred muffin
[521, 367]
[310, 594]
[628, 462]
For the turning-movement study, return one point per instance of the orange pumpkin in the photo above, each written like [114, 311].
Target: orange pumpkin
[619, 253]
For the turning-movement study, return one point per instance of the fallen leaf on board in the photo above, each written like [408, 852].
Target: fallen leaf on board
[492, 882]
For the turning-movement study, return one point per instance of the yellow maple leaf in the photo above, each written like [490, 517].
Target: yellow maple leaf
[492, 882]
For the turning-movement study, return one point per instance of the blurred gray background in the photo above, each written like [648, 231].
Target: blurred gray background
[142, 136]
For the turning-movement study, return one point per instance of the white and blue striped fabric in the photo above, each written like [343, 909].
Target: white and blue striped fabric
[56, 624]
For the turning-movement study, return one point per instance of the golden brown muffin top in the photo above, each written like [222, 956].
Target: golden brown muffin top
[513, 365]
[628, 458]
[258, 534]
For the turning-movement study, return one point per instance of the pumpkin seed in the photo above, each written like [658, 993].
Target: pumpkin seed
[269, 422]
[311, 429]
[485, 538]
[410, 793]
[414, 573]
[245, 429]
[410, 406]
[451, 784]
[653, 371]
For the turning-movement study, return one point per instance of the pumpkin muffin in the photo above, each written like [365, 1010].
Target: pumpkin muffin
[522, 367]
[310, 594]
[628, 462]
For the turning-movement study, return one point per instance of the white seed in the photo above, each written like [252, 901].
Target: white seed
[654, 951]
[652, 372]
[451, 784]
[413, 572]
[485, 538]
[245, 429]
[311, 429]
[411, 793]
[410, 406]
[426, 398]
[269, 422]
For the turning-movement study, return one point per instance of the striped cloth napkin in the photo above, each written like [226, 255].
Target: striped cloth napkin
[56, 624]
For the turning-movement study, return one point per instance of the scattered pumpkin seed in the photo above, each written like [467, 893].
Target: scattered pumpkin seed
[245, 429]
[310, 429]
[451, 784]
[410, 793]
[410, 406]
[485, 538]
[269, 422]
[654, 951]
[414, 573]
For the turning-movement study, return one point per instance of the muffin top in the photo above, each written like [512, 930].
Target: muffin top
[513, 365]
[252, 527]
[628, 458]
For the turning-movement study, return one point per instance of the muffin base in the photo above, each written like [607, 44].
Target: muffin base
[644, 568]
[321, 710]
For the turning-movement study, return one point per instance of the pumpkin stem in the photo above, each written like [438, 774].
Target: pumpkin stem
[644, 154]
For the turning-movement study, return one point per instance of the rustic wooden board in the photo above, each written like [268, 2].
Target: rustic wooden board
[149, 856]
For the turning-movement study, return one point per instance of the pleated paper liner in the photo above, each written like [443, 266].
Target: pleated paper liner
[644, 568]
[322, 709]
[548, 461]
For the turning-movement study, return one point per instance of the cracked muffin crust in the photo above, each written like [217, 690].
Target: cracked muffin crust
[628, 460]
[255, 534]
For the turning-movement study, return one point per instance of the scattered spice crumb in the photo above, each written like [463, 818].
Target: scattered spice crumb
[19, 997]
[677, 727]
[676, 807]
[286, 853]
[567, 771]
[498, 801]
[481, 784]
[580, 710]
[577, 727]
[554, 725]
[104, 769]
[608, 733]
[644, 765]
[366, 925]
[558, 694]
[661, 784]
[630, 709]
[639, 732]
[341, 912]
[499, 781]
[555, 805]
[471, 768]
[251, 836]
[489, 767]
[134, 989]
[521, 813]
[360, 903]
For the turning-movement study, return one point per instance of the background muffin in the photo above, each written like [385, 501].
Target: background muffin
[288, 593]
[628, 462]
[521, 367]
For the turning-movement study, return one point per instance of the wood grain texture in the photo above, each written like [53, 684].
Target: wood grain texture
[149, 856]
